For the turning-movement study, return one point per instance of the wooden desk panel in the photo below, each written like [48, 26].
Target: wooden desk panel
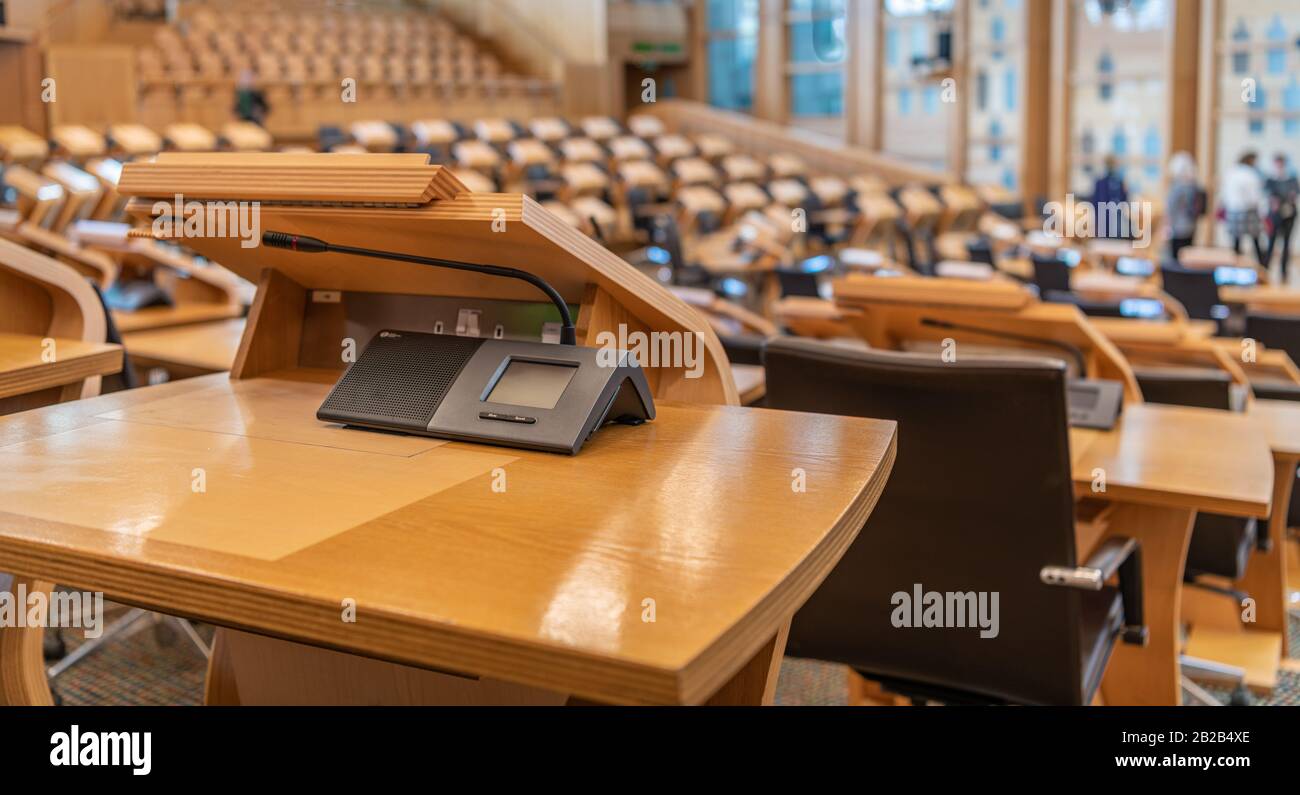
[1178, 457]
[22, 369]
[208, 347]
[1162, 464]
[543, 583]
[156, 317]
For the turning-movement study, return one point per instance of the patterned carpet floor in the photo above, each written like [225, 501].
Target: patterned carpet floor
[162, 667]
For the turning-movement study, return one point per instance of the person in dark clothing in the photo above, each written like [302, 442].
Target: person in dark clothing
[1282, 189]
[1107, 191]
[250, 101]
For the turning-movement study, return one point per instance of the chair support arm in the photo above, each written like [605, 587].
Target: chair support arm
[1117, 555]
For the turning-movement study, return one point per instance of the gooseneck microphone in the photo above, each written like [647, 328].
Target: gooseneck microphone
[314, 245]
[1080, 361]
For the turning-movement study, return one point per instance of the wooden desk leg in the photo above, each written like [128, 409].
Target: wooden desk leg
[1265, 579]
[1148, 675]
[220, 688]
[22, 662]
[755, 683]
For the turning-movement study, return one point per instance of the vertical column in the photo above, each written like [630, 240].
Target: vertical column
[1184, 39]
[770, 84]
[864, 66]
[1062, 61]
[1036, 102]
[960, 119]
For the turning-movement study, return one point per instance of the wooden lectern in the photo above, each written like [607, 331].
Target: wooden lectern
[662, 564]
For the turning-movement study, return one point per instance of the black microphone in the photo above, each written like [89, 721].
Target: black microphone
[313, 245]
[1079, 359]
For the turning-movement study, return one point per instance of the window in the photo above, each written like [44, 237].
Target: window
[1240, 55]
[1291, 101]
[930, 96]
[1277, 46]
[732, 47]
[915, 118]
[1256, 122]
[1105, 70]
[1119, 61]
[815, 43]
[993, 116]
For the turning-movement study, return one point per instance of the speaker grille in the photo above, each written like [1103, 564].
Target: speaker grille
[399, 379]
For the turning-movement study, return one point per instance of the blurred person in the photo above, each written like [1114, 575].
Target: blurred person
[1110, 189]
[1186, 202]
[1243, 195]
[1282, 189]
[250, 102]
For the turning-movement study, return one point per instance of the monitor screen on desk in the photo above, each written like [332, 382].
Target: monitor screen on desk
[537, 385]
[1069, 256]
[1134, 266]
[1240, 277]
[1145, 308]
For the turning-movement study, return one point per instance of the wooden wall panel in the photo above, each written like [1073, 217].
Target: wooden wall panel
[96, 84]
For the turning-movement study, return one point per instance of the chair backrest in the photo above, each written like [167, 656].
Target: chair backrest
[980, 249]
[1206, 389]
[1196, 290]
[979, 500]
[1276, 331]
[1050, 274]
[797, 283]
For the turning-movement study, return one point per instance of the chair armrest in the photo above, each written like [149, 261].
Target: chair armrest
[1118, 555]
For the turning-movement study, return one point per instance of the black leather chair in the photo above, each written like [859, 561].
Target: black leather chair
[980, 249]
[1206, 389]
[980, 499]
[1196, 290]
[1050, 275]
[798, 283]
[1275, 331]
[1090, 308]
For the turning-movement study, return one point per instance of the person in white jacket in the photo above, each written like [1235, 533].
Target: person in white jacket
[1242, 199]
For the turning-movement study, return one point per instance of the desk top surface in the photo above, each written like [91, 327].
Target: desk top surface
[156, 317]
[228, 501]
[1280, 422]
[206, 346]
[1271, 294]
[24, 367]
[1181, 457]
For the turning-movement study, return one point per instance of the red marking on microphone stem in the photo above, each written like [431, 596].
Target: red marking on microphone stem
[293, 244]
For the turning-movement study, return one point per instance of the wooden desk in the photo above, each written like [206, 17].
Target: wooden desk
[1267, 575]
[188, 350]
[156, 317]
[20, 145]
[751, 382]
[1160, 465]
[540, 589]
[23, 368]
[1277, 299]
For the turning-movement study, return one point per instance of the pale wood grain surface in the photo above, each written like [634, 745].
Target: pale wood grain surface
[543, 583]
[203, 346]
[23, 368]
[1178, 457]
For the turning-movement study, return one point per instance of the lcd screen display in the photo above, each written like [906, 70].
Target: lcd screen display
[534, 384]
